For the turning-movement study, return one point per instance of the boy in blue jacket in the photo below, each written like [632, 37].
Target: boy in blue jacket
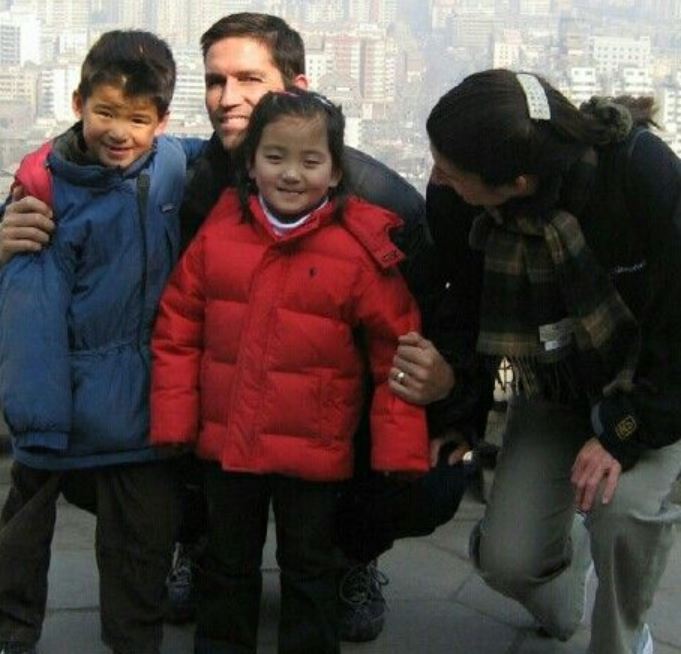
[75, 325]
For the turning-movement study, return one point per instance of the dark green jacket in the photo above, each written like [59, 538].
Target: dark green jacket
[630, 212]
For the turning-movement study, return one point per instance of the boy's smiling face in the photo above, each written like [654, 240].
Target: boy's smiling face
[118, 129]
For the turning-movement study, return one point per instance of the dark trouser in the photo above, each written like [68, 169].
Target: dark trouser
[137, 518]
[231, 580]
[375, 511]
[194, 523]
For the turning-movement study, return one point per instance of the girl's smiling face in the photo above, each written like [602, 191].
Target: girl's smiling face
[292, 166]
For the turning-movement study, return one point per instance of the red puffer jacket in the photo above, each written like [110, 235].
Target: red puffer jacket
[256, 355]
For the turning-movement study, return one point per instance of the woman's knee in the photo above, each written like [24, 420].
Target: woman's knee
[501, 561]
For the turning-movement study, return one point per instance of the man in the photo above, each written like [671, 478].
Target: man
[246, 55]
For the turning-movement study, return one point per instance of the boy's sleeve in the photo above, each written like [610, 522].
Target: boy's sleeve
[399, 435]
[176, 346]
[35, 372]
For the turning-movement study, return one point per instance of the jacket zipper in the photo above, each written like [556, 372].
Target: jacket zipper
[142, 204]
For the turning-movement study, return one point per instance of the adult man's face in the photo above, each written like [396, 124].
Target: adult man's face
[239, 70]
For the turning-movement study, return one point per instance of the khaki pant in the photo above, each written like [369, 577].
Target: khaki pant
[531, 547]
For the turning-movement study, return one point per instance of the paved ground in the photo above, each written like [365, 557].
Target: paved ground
[436, 604]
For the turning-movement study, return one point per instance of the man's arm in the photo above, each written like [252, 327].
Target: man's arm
[374, 182]
[27, 226]
[452, 321]
[27, 223]
[431, 377]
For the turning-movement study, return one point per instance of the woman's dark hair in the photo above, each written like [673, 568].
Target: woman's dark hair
[137, 62]
[298, 103]
[483, 126]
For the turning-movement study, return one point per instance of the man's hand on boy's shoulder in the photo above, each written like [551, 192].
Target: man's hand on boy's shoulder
[27, 225]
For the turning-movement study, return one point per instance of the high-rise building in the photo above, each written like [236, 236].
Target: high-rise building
[19, 85]
[534, 7]
[134, 13]
[472, 31]
[324, 11]
[316, 59]
[440, 12]
[19, 38]
[507, 49]
[377, 80]
[670, 105]
[486, 7]
[633, 81]
[375, 12]
[189, 97]
[69, 15]
[583, 83]
[610, 53]
[344, 54]
[55, 90]
[663, 10]
[170, 21]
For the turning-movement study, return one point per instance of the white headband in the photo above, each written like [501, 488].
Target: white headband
[535, 95]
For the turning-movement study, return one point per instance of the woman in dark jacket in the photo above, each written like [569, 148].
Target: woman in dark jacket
[563, 228]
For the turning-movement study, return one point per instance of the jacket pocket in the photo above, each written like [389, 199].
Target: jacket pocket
[341, 401]
[110, 401]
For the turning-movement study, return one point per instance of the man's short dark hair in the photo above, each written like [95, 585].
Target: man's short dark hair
[284, 43]
[137, 62]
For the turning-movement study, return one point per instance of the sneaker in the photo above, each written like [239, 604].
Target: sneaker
[644, 641]
[362, 606]
[182, 598]
[588, 576]
[7, 647]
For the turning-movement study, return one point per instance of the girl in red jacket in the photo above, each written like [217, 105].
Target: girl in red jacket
[264, 332]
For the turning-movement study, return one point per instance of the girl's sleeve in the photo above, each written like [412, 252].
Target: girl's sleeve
[177, 345]
[35, 371]
[399, 435]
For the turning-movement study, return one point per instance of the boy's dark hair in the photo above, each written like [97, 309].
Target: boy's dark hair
[138, 62]
[284, 43]
[299, 103]
[483, 126]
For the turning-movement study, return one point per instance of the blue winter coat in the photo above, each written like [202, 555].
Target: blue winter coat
[76, 318]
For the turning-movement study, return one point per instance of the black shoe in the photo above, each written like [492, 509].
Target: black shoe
[361, 603]
[7, 647]
[182, 596]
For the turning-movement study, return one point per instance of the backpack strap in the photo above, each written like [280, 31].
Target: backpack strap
[34, 174]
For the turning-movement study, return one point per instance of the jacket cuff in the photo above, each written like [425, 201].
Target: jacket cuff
[53, 441]
[618, 428]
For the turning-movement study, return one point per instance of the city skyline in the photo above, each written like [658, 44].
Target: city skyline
[385, 61]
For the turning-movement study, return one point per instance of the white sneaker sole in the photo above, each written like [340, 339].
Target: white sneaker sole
[645, 641]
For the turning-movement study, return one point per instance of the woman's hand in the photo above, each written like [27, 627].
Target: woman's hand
[420, 374]
[456, 455]
[594, 468]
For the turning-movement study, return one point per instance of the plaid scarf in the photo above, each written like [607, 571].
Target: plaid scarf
[551, 309]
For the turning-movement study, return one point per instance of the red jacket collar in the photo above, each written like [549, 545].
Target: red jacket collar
[369, 224]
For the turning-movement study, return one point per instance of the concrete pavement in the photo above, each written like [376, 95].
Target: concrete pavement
[436, 603]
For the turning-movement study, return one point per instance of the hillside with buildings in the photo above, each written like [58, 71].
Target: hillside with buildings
[385, 61]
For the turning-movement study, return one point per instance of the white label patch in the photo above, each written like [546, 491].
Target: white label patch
[556, 335]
